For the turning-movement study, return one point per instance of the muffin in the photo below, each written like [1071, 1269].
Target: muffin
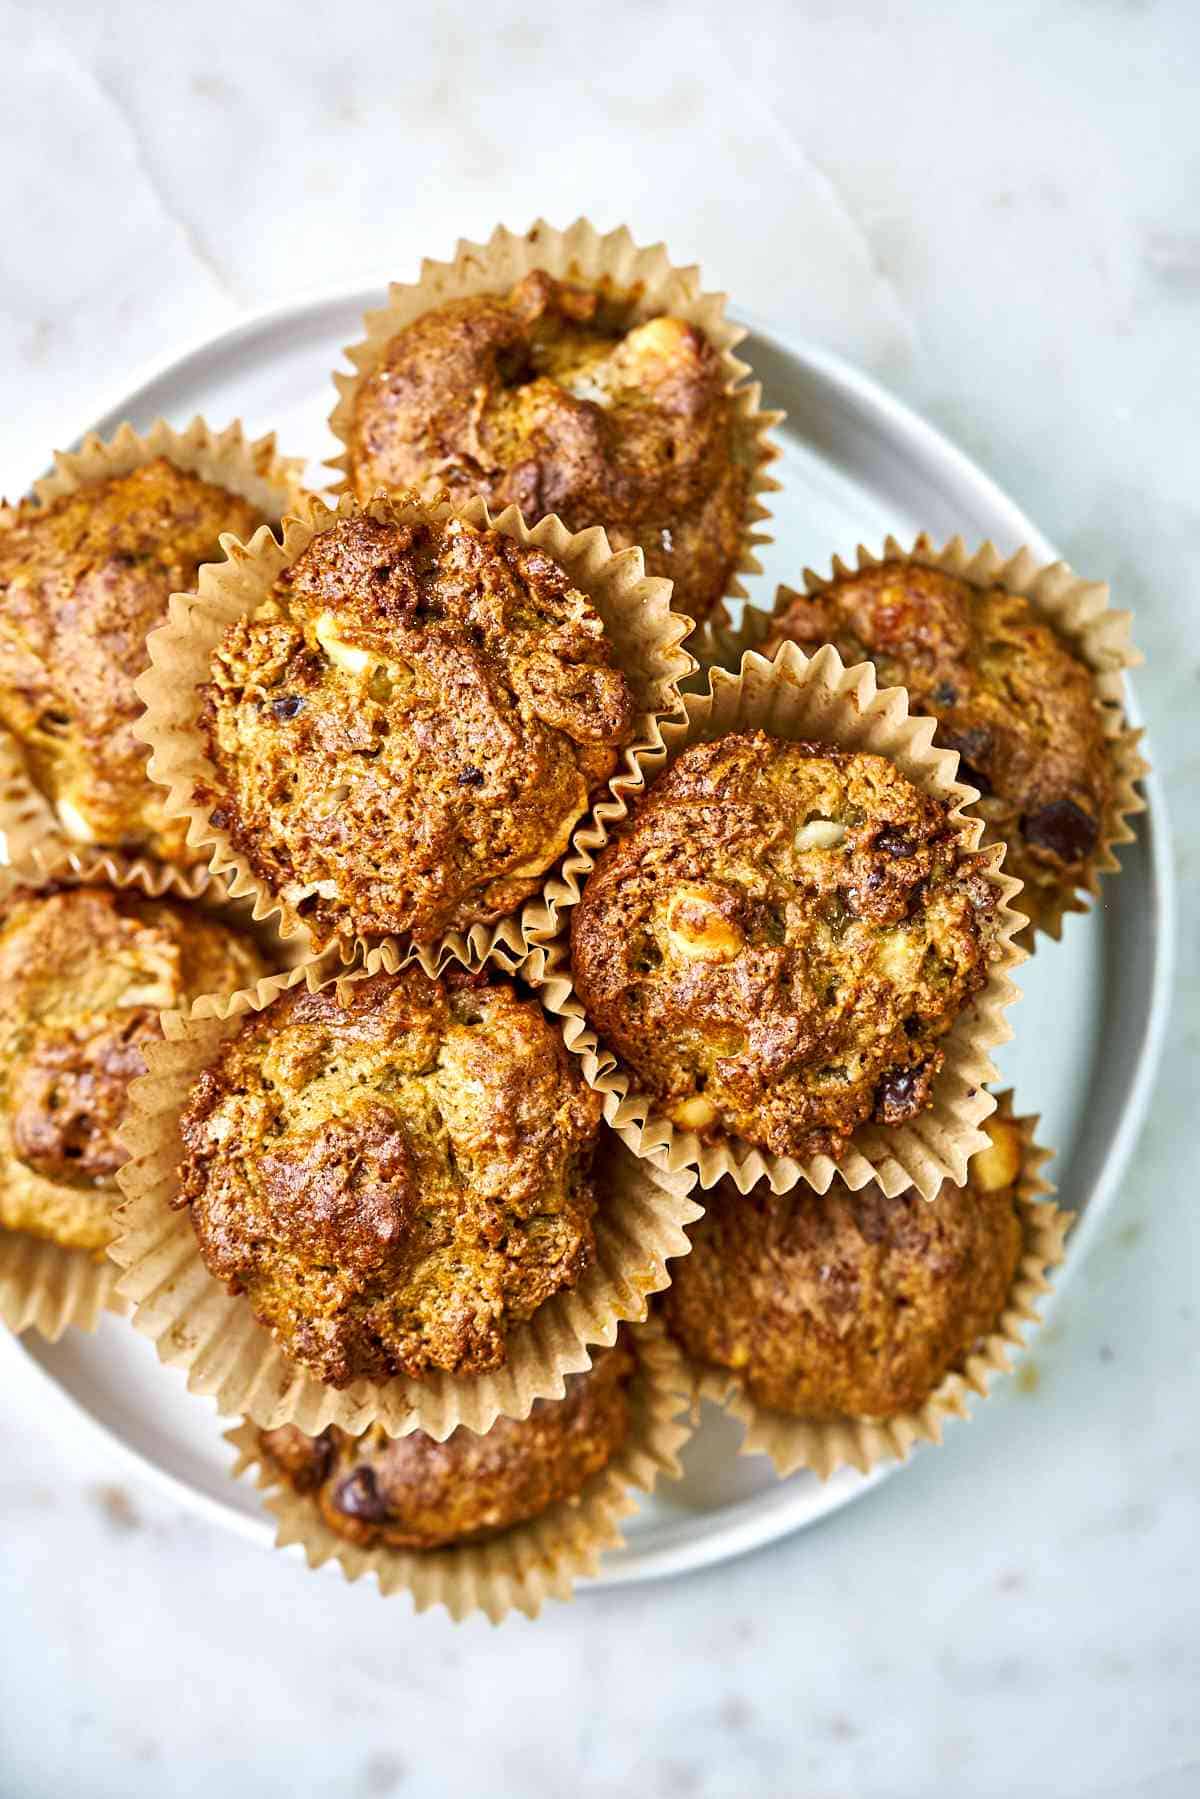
[414, 1493]
[561, 398]
[395, 1170]
[779, 941]
[411, 725]
[82, 581]
[1009, 695]
[851, 1305]
[84, 974]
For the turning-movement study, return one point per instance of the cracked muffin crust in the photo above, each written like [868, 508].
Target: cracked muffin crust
[850, 1304]
[414, 1493]
[554, 398]
[84, 974]
[1008, 693]
[82, 581]
[414, 722]
[780, 939]
[395, 1175]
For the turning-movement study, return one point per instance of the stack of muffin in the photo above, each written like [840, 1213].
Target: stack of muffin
[499, 937]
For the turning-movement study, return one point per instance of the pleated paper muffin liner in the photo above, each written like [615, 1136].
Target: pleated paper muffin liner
[823, 1446]
[612, 260]
[819, 699]
[635, 609]
[46, 1286]
[529, 1563]
[250, 468]
[1078, 611]
[229, 1356]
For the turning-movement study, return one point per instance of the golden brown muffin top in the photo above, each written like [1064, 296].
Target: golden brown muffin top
[395, 1174]
[780, 939]
[413, 1493]
[82, 581]
[84, 974]
[850, 1304]
[555, 398]
[416, 720]
[1009, 695]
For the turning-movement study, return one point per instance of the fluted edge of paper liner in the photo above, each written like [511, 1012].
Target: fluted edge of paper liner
[531, 1563]
[864, 1443]
[635, 608]
[251, 468]
[1079, 611]
[47, 1287]
[818, 698]
[228, 1356]
[583, 254]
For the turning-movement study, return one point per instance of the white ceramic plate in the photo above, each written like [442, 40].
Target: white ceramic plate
[856, 464]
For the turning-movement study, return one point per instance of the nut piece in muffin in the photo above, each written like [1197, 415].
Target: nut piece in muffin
[82, 581]
[414, 1493]
[850, 1304]
[395, 1170]
[413, 724]
[84, 974]
[557, 398]
[1009, 695]
[779, 941]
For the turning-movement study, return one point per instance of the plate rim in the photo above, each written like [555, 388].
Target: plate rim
[748, 1524]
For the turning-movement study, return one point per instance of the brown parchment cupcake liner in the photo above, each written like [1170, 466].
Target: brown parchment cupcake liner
[581, 253]
[634, 607]
[45, 1286]
[530, 1563]
[1078, 610]
[229, 1356]
[862, 1443]
[250, 468]
[818, 698]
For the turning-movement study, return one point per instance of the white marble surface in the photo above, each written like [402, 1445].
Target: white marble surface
[994, 208]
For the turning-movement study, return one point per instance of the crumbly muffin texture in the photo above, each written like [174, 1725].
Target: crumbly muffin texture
[850, 1304]
[84, 974]
[413, 724]
[1009, 694]
[779, 941]
[555, 398]
[82, 581]
[394, 1170]
[413, 1493]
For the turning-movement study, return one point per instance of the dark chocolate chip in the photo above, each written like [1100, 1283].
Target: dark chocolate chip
[902, 1093]
[358, 1497]
[1063, 828]
[471, 777]
[895, 843]
[974, 746]
[945, 694]
[288, 706]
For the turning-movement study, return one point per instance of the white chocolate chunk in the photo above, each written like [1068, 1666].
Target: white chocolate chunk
[344, 655]
[74, 823]
[819, 834]
[999, 1164]
[693, 1114]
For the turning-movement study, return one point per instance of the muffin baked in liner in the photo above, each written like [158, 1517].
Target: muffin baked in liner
[45, 1286]
[215, 1337]
[826, 1445]
[1078, 611]
[636, 613]
[818, 699]
[527, 1564]
[581, 254]
[251, 468]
